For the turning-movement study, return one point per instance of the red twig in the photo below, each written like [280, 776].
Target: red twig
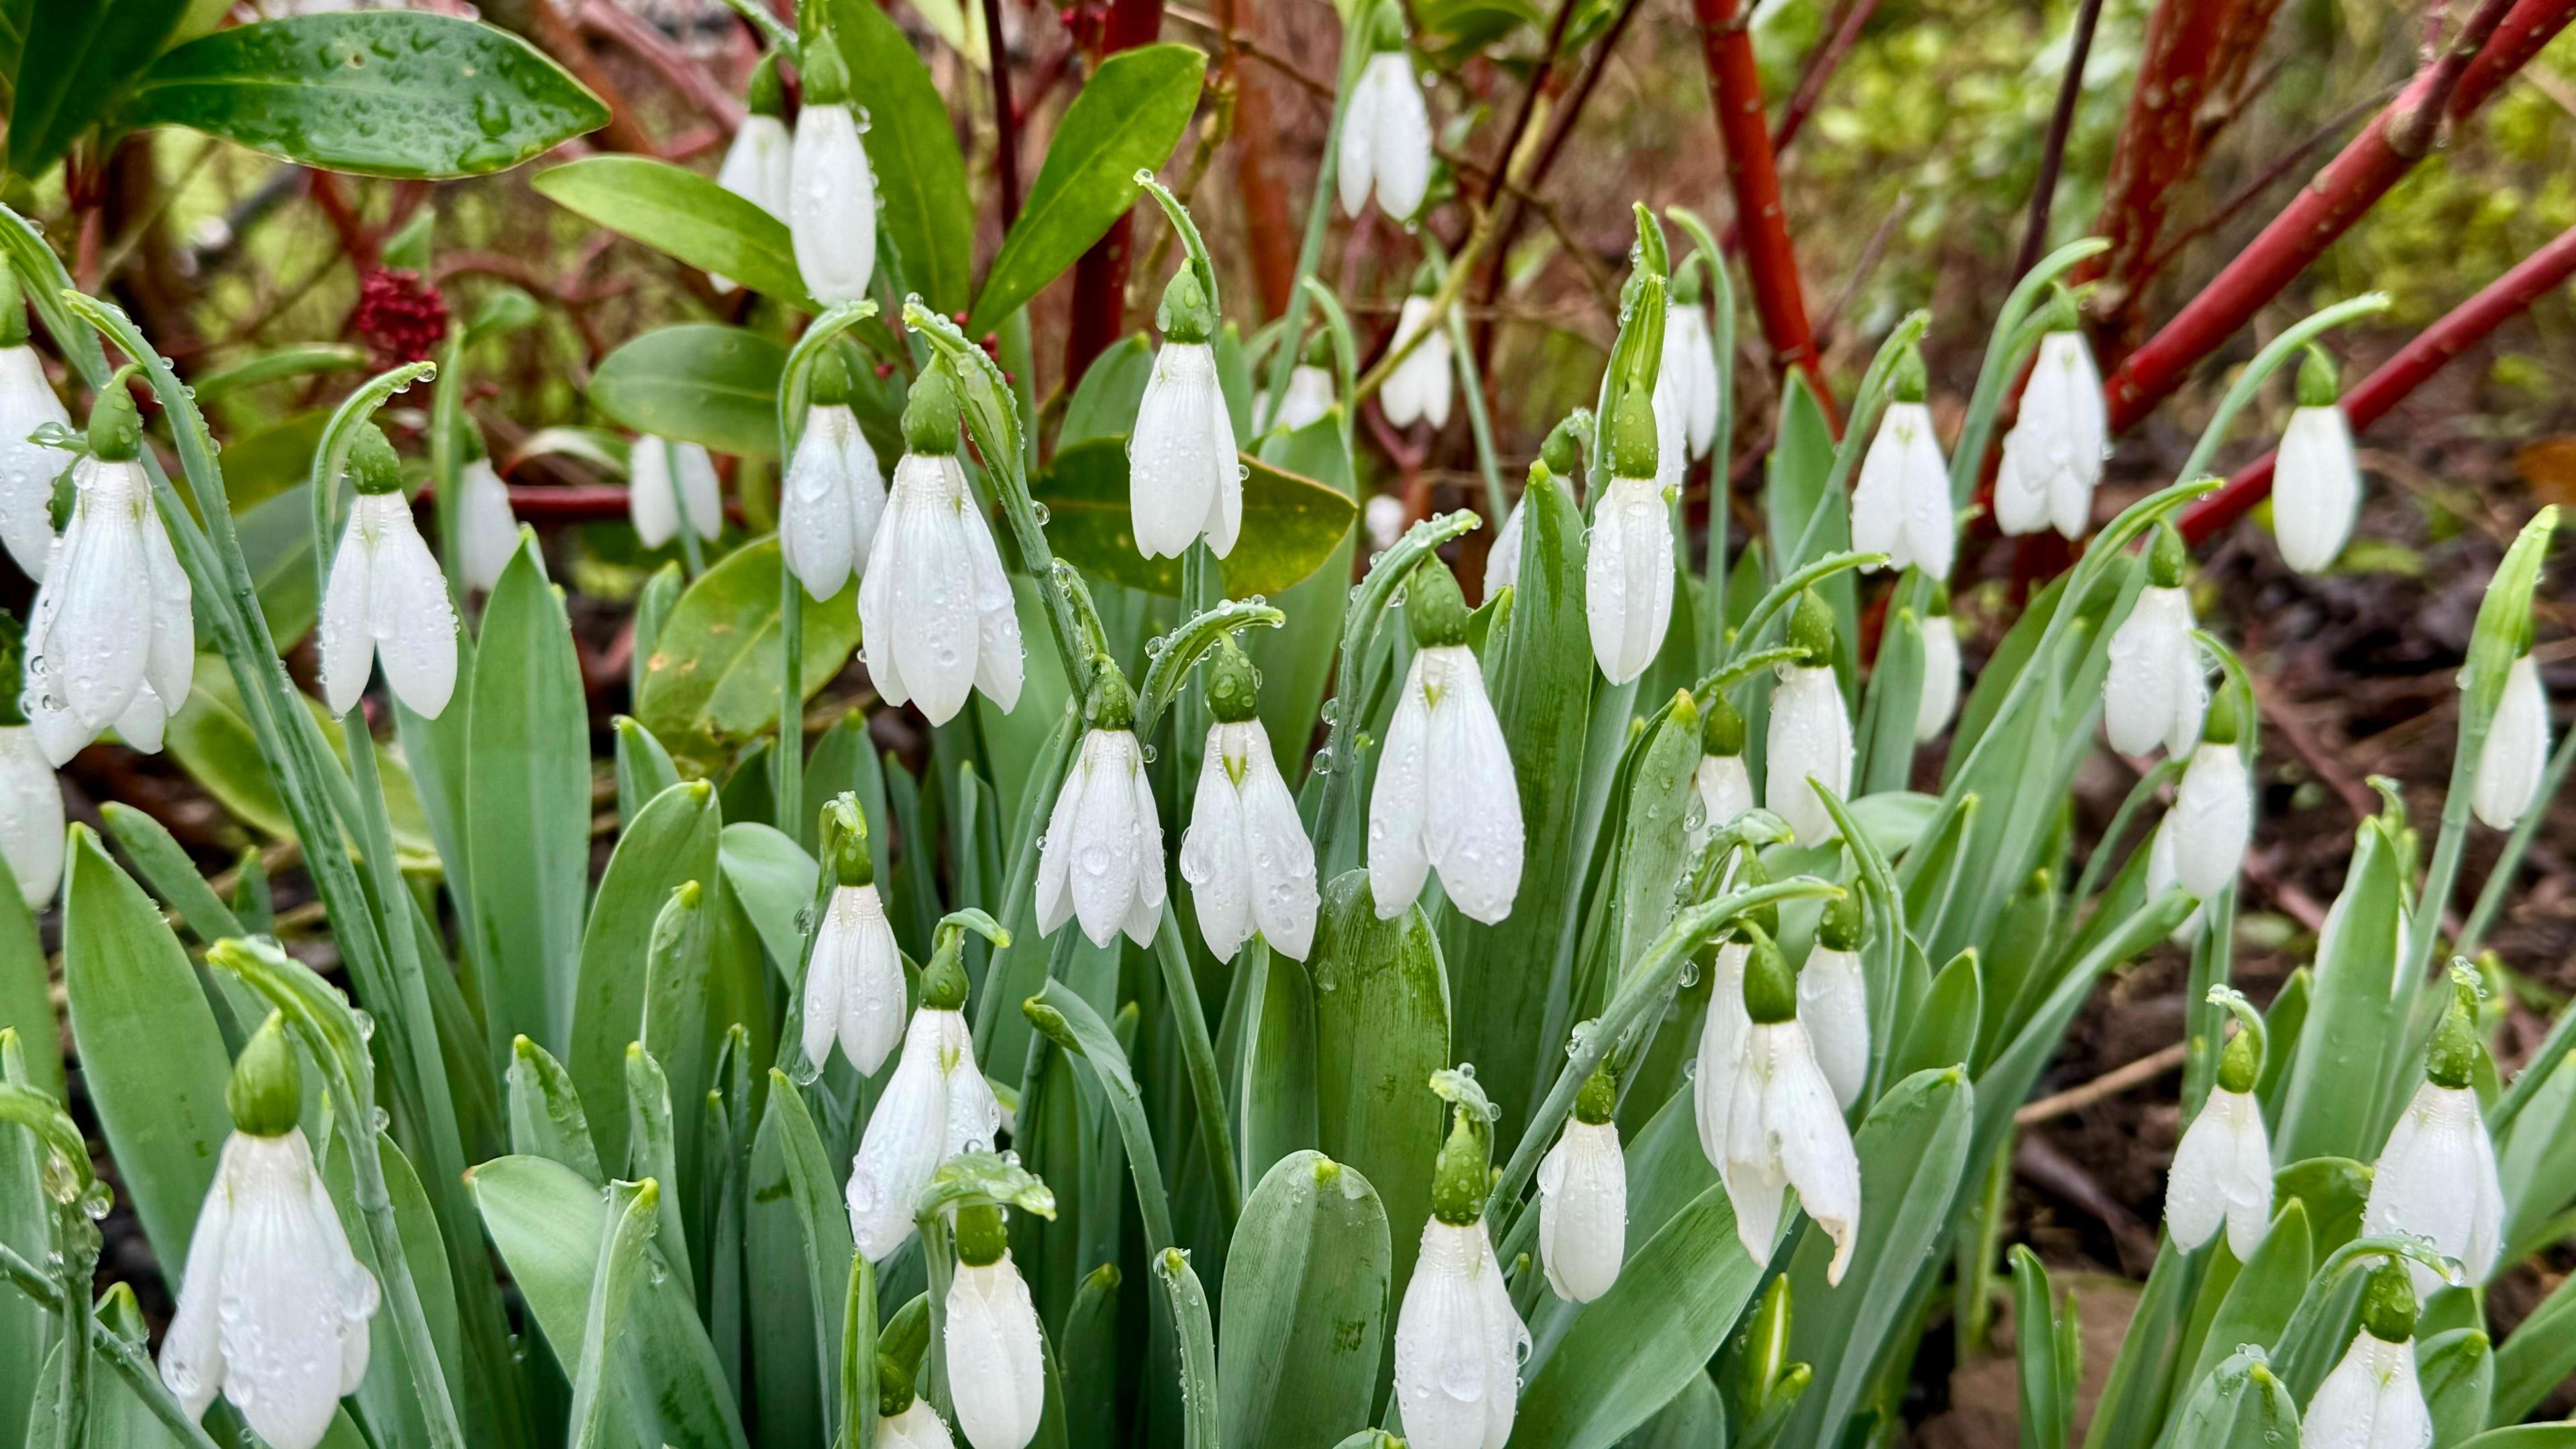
[2495, 43]
[1100, 278]
[1752, 168]
[1822, 62]
[1006, 147]
[2536, 276]
[645, 43]
[1269, 235]
[2052, 156]
[2246, 195]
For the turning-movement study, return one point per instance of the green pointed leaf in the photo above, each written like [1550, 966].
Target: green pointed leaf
[546, 1117]
[712, 679]
[1306, 1292]
[1291, 524]
[671, 841]
[697, 382]
[683, 215]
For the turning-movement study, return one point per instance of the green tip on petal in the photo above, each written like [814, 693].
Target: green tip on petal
[1433, 603]
[766, 95]
[1233, 685]
[894, 1388]
[930, 414]
[1770, 987]
[1426, 279]
[115, 427]
[2320, 382]
[1811, 629]
[266, 1091]
[2166, 557]
[2388, 1303]
[1686, 283]
[373, 467]
[1721, 728]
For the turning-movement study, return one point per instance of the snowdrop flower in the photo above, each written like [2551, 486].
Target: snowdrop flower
[831, 193]
[2516, 752]
[1770, 1113]
[936, 615]
[835, 492]
[996, 1366]
[1690, 359]
[1939, 700]
[27, 468]
[1901, 505]
[914, 1426]
[1445, 795]
[2162, 876]
[1418, 390]
[1386, 128]
[2372, 1399]
[111, 640]
[1724, 786]
[2316, 486]
[1833, 1000]
[273, 1306]
[760, 164]
[854, 979]
[1628, 571]
[487, 531]
[936, 1106]
[1811, 733]
[1101, 858]
[387, 600]
[668, 484]
[2053, 456]
[1557, 458]
[2436, 1178]
[2222, 1170]
[31, 800]
[1309, 396]
[2156, 688]
[1583, 1197]
[1458, 1343]
[1184, 482]
[2213, 810]
[1383, 519]
[1246, 855]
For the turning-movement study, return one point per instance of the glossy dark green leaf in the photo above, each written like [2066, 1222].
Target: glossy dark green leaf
[681, 214]
[1291, 524]
[697, 382]
[712, 679]
[1104, 403]
[78, 58]
[1126, 118]
[925, 208]
[381, 93]
[1305, 1296]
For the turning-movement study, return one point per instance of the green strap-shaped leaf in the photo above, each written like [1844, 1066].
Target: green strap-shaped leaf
[712, 679]
[2256, 1304]
[1200, 1404]
[697, 382]
[671, 841]
[2241, 1405]
[816, 1189]
[2329, 1107]
[1306, 1290]
[26, 997]
[1067, 1020]
[683, 215]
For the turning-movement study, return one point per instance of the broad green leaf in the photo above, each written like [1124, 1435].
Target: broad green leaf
[1305, 1296]
[682, 215]
[1943, 1030]
[774, 879]
[1126, 118]
[165, 867]
[2126, 1415]
[1694, 1419]
[669, 1389]
[671, 841]
[702, 979]
[1104, 403]
[1652, 849]
[824, 1221]
[2456, 1370]
[2335, 1189]
[546, 1116]
[781, 1385]
[925, 208]
[1067, 1020]
[644, 769]
[712, 679]
[2538, 1355]
[697, 382]
[152, 1062]
[1278, 1086]
[381, 93]
[26, 999]
[528, 819]
[211, 738]
[1291, 523]
[2257, 1305]
[26, 1228]
[2329, 1107]
[78, 58]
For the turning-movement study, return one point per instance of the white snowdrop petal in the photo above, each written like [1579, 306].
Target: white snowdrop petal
[1472, 819]
[1503, 559]
[413, 620]
[1181, 454]
[872, 990]
[817, 527]
[347, 642]
[1939, 699]
[902, 1144]
[917, 1427]
[2138, 689]
[997, 1370]
[1402, 134]
[827, 969]
[1583, 1211]
[1399, 801]
[1213, 856]
[2316, 488]
[1458, 1344]
[1628, 576]
[2371, 1400]
[693, 475]
[1809, 738]
[2213, 818]
[2436, 1179]
[488, 531]
[1418, 390]
[28, 468]
[832, 205]
[1145, 914]
[927, 623]
[2516, 753]
[2222, 1173]
[652, 497]
[758, 165]
[1833, 1006]
[1877, 496]
[31, 816]
[1725, 791]
[1355, 168]
[101, 638]
[1308, 400]
[1812, 1141]
[2021, 496]
[1282, 859]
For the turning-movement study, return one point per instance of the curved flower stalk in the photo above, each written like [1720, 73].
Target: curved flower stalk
[936, 1105]
[936, 616]
[835, 493]
[996, 1359]
[1833, 1000]
[2372, 1399]
[387, 600]
[1628, 570]
[854, 978]
[1458, 1342]
[2222, 1170]
[2516, 753]
[1386, 129]
[831, 193]
[1722, 783]
[1901, 504]
[670, 485]
[760, 165]
[28, 468]
[1583, 1197]
[1768, 1110]
[1811, 735]
[273, 1306]
[1938, 701]
[1419, 388]
[2157, 687]
[487, 531]
[2213, 810]
[1101, 859]
[2436, 1178]
[2316, 485]
[2053, 456]
[1184, 480]
[1445, 796]
[1246, 856]
[112, 639]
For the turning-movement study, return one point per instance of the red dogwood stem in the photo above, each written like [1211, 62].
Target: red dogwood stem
[2450, 86]
[2370, 399]
[1752, 168]
[1100, 278]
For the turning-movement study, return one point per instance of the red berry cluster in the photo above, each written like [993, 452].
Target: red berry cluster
[400, 317]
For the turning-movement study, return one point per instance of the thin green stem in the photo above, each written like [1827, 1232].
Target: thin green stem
[1198, 1055]
[2276, 352]
[129, 1361]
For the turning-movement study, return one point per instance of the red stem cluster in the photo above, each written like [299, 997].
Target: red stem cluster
[1752, 169]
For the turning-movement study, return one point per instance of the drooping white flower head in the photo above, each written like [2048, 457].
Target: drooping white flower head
[2222, 1169]
[2373, 1399]
[1768, 1112]
[2053, 455]
[2436, 1178]
[1101, 859]
[1383, 520]
[111, 640]
[1386, 128]
[1419, 388]
[1445, 796]
[1628, 577]
[1901, 504]
[387, 600]
[1583, 1198]
[2213, 810]
[1938, 702]
[831, 192]
[1833, 1000]
[996, 1360]
[669, 484]
[273, 1307]
[936, 1105]
[27, 468]
[487, 530]
[1308, 398]
[1690, 357]
[2516, 752]
[2316, 485]
[854, 979]
[1184, 481]
[916, 1426]
[1723, 784]
[936, 616]
[31, 812]
[760, 165]
[835, 493]
[1245, 854]
[1458, 1342]
[2157, 687]
[1810, 736]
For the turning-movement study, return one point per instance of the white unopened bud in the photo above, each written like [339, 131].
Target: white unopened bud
[2053, 455]
[2222, 1173]
[1386, 139]
[1583, 1210]
[1810, 737]
[1445, 794]
[2516, 753]
[2156, 689]
[1628, 577]
[1184, 482]
[2316, 489]
[1901, 505]
[1458, 1343]
[387, 603]
[2436, 1179]
[1418, 390]
[832, 205]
